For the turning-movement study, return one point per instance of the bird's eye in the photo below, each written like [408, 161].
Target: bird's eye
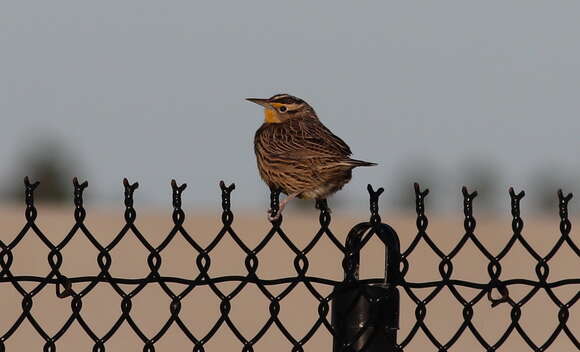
[283, 109]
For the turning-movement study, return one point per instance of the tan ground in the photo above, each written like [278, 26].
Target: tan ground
[250, 308]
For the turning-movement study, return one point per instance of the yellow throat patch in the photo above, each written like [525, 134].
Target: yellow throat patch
[270, 116]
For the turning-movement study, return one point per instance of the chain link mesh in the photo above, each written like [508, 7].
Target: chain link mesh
[492, 288]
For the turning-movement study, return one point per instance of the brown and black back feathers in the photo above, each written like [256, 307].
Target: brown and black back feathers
[301, 156]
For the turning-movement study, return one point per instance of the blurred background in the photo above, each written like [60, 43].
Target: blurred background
[461, 93]
[476, 94]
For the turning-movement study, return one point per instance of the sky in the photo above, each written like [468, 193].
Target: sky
[154, 90]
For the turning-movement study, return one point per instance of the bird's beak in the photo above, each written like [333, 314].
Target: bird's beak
[262, 102]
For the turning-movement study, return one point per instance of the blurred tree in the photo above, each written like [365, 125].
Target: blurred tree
[422, 172]
[483, 176]
[544, 190]
[48, 162]
[545, 186]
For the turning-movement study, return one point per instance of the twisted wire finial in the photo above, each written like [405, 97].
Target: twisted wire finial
[565, 225]
[275, 205]
[374, 203]
[420, 196]
[227, 214]
[130, 188]
[178, 213]
[29, 188]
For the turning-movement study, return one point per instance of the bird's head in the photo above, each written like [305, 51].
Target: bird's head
[282, 107]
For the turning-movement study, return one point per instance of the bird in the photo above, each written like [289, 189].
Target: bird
[297, 154]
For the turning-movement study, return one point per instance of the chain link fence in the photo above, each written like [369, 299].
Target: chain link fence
[490, 287]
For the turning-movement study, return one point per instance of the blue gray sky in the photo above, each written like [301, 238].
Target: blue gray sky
[154, 90]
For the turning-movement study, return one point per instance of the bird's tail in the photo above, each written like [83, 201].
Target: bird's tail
[356, 163]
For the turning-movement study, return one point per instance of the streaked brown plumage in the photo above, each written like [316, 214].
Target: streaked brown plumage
[297, 154]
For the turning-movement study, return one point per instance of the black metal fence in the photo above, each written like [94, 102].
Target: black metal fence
[363, 330]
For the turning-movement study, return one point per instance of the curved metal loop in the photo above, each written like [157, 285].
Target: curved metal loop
[356, 240]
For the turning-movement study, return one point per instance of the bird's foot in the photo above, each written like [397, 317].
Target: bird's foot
[281, 207]
[322, 205]
[275, 217]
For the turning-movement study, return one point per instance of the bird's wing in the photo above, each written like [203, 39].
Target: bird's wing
[309, 138]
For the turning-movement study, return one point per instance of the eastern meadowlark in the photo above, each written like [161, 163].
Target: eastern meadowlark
[297, 154]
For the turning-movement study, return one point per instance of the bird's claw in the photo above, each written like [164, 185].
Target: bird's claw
[275, 217]
[322, 205]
